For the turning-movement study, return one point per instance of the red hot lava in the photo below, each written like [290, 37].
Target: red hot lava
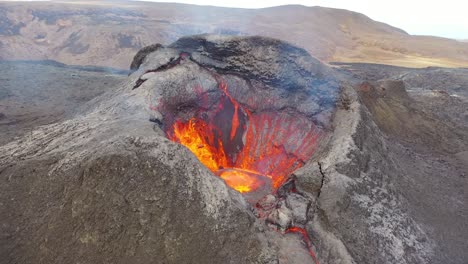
[249, 150]
[243, 146]
[306, 240]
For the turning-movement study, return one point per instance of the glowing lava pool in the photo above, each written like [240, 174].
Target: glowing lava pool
[243, 180]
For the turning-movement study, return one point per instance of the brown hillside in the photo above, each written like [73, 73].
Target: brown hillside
[105, 34]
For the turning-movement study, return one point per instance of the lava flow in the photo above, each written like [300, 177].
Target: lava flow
[306, 240]
[247, 149]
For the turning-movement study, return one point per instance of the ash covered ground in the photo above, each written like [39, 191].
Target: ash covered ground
[423, 113]
[45, 92]
[87, 176]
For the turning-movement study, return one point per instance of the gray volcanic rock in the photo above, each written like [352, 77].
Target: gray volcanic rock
[133, 200]
[271, 61]
[140, 56]
[359, 203]
[427, 126]
[261, 73]
[45, 92]
[299, 206]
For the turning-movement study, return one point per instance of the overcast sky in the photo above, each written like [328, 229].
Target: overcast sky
[446, 18]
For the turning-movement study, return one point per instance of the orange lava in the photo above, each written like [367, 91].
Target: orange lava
[272, 144]
[195, 135]
[306, 240]
[241, 181]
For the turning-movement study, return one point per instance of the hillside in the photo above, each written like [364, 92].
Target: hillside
[40, 93]
[110, 33]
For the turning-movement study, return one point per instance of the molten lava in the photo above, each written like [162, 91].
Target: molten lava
[248, 143]
[195, 135]
[306, 240]
[242, 180]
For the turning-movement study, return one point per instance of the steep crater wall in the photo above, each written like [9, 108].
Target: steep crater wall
[252, 104]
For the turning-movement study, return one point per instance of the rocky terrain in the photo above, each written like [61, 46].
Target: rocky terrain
[423, 113]
[110, 33]
[41, 93]
[103, 184]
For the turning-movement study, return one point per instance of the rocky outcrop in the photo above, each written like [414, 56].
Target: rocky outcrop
[420, 112]
[262, 73]
[398, 115]
[366, 216]
[134, 200]
[141, 54]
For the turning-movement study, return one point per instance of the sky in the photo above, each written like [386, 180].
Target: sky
[447, 18]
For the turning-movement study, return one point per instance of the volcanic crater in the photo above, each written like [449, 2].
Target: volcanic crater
[252, 110]
[255, 152]
[252, 115]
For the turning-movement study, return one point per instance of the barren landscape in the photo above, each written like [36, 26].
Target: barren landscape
[291, 135]
[110, 33]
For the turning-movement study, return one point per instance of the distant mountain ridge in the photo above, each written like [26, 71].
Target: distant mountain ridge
[110, 33]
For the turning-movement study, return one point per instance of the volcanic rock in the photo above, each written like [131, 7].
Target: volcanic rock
[359, 200]
[427, 136]
[281, 217]
[45, 92]
[140, 56]
[309, 179]
[267, 202]
[260, 73]
[279, 98]
[298, 206]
